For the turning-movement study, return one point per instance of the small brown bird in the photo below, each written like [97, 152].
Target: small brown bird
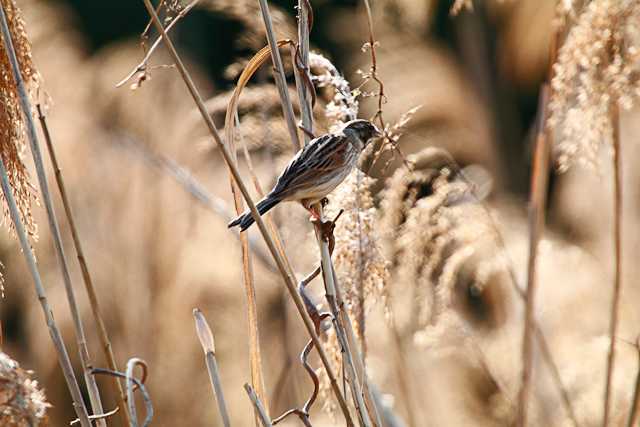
[317, 169]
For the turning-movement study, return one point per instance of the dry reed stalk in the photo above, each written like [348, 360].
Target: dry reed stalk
[537, 205]
[340, 316]
[288, 278]
[617, 239]
[92, 386]
[305, 23]
[31, 133]
[86, 276]
[281, 80]
[56, 337]
[259, 407]
[208, 346]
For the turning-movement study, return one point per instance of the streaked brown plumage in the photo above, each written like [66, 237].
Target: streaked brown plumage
[317, 169]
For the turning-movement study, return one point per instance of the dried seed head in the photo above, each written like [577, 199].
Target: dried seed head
[442, 241]
[22, 401]
[12, 126]
[204, 332]
[597, 65]
[344, 103]
[361, 267]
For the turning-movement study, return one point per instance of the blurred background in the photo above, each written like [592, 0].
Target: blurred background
[156, 253]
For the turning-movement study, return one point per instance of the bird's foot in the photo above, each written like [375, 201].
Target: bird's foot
[326, 229]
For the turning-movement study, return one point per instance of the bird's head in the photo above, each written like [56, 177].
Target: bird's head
[363, 129]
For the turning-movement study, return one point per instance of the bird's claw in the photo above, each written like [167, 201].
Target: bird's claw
[326, 229]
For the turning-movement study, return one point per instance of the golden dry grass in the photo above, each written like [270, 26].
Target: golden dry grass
[424, 266]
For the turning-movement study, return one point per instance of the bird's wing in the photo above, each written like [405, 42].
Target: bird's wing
[319, 158]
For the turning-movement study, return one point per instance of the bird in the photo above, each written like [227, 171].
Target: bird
[316, 169]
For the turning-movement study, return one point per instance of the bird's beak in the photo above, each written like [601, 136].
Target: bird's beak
[378, 132]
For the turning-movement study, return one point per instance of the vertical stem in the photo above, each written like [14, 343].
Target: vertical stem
[330, 293]
[42, 179]
[371, 401]
[214, 376]
[617, 238]
[264, 419]
[208, 345]
[289, 279]
[56, 337]
[281, 80]
[537, 205]
[303, 46]
[86, 276]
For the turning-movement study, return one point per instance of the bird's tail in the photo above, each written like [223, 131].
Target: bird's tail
[245, 220]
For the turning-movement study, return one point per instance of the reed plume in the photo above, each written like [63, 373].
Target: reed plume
[12, 126]
[597, 63]
[22, 400]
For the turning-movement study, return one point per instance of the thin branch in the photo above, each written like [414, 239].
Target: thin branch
[62, 354]
[259, 407]
[206, 340]
[537, 204]
[617, 238]
[373, 71]
[288, 278]
[86, 276]
[281, 80]
[97, 417]
[143, 65]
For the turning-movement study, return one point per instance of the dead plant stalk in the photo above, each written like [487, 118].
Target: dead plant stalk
[42, 179]
[281, 81]
[88, 281]
[539, 178]
[617, 239]
[288, 279]
[340, 317]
